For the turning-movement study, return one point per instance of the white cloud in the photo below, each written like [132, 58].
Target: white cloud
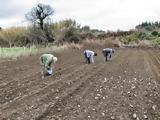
[101, 14]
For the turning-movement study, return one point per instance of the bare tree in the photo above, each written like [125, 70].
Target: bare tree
[40, 14]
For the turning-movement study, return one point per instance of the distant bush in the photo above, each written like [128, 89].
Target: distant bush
[74, 39]
[142, 35]
[156, 42]
[133, 38]
[155, 33]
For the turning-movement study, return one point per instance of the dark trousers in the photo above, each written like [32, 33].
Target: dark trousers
[88, 60]
[108, 56]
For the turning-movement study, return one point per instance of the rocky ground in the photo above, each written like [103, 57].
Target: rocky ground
[125, 88]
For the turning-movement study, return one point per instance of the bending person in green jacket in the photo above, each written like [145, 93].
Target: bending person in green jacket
[46, 60]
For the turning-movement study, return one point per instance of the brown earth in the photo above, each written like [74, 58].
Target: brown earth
[126, 88]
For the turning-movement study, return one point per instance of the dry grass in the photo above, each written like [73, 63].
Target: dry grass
[92, 44]
[13, 32]
[145, 44]
[100, 43]
[74, 46]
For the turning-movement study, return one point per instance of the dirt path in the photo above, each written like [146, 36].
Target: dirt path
[126, 88]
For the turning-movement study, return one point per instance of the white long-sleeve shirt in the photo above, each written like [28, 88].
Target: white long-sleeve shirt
[90, 54]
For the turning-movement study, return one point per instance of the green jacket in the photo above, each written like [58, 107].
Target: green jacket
[46, 60]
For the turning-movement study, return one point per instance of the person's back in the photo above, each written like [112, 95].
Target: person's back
[89, 56]
[46, 60]
[107, 52]
[89, 53]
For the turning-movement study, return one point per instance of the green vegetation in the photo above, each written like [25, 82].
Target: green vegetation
[24, 51]
[130, 39]
[156, 42]
[17, 51]
[147, 31]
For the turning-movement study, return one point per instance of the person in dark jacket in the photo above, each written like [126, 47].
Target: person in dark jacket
[107, 52]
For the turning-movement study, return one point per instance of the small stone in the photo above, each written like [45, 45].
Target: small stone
[145, 116]
[103, 114]
[59, 109]
[131, 105]
[135, 78]
[133, 87]
[57, 97]
[137, 118]
[112, 117]
[96, 98]
[128, 92]
[154, 107]
[134, 116]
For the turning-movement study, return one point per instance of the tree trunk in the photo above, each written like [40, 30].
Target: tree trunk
[41, 24]
[10, 44]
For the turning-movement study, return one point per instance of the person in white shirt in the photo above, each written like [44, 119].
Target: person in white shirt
[107, 52]
[88, 54]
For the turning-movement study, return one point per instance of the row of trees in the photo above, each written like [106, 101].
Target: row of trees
[148, 26]
[43, 32]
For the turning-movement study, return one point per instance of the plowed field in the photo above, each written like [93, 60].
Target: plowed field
[125, 88]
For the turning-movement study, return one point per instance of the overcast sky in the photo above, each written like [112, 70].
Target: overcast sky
[99, 14]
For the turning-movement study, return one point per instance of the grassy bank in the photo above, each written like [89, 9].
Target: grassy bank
[24, 51]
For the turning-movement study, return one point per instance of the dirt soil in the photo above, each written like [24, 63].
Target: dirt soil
[125, 88]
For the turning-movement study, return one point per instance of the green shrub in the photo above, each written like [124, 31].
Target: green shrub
[133, 38]
[156, 42]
